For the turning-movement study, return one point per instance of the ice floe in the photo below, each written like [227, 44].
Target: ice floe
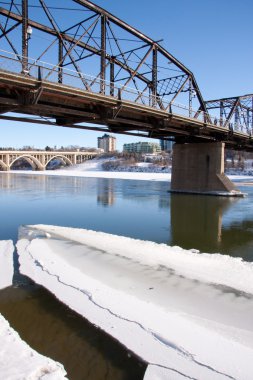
[18, 361]
[6, 263]
[187, 314]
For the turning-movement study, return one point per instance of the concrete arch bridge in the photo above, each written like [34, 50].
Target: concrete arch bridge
[39, 160]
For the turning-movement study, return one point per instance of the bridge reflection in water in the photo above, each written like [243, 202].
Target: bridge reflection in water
[198, 219]
[195, 222]
[105, 192]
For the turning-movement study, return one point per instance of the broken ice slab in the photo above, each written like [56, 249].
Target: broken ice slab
[6, 263]
[186, 312]
[19, 361]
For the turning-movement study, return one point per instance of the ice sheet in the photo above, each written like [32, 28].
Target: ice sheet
[18, 361]
[186, 314]
[99, 174]
[6, 263]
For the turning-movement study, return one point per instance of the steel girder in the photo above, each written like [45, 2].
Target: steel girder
[235, 113]
[76, 63]
[83, 45]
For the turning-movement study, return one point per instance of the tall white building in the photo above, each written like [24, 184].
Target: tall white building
[107, 143]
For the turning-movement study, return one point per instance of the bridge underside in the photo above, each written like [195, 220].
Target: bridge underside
[50, 103]
[94, 71]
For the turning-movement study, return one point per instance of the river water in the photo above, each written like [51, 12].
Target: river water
[138, 209]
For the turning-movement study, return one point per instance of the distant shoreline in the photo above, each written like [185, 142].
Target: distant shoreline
[140, 176]
[137, 176]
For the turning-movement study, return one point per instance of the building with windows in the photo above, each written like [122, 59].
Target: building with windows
[142, 147]
[107, 143]
[166, 145]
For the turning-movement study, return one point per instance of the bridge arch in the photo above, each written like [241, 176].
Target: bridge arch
[60, 157]
[34, 162]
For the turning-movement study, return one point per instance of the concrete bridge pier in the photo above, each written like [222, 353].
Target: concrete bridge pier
[198, 168]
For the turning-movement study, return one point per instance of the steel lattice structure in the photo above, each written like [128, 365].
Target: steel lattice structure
[235, 113]
[76, 63]
[98, 44]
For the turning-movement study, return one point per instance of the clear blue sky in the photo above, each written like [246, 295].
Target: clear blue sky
[213, 38]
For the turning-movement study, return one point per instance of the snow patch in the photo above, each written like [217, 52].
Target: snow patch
[99, 174]
[90, 165]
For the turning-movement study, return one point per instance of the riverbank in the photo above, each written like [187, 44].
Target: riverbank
[141, 172]
[98, 174]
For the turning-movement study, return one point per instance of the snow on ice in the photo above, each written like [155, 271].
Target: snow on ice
[187, 314]
[6, 263]
[93, 169]
[75, 172]
[17, 360]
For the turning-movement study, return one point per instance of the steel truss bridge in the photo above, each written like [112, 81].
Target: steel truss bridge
[77, 65]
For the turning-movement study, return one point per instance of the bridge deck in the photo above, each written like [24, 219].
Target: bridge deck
[69, 106]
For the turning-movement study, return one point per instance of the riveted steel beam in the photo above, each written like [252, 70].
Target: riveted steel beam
[103, 54]
[24, 37]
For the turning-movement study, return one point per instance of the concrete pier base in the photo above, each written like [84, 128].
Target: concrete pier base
[199, 169]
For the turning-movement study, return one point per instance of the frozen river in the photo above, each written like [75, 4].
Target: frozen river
[138, 209]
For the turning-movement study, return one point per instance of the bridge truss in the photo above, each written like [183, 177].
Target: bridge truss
[235, 113]
[77, 65]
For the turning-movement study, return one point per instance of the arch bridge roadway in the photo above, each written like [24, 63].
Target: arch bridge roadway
[39, 160]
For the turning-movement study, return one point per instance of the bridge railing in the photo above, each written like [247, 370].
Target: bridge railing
[45, 71]
[52, 73]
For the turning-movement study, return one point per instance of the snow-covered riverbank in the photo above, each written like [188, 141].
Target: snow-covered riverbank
[93, 169]
[99, 174]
